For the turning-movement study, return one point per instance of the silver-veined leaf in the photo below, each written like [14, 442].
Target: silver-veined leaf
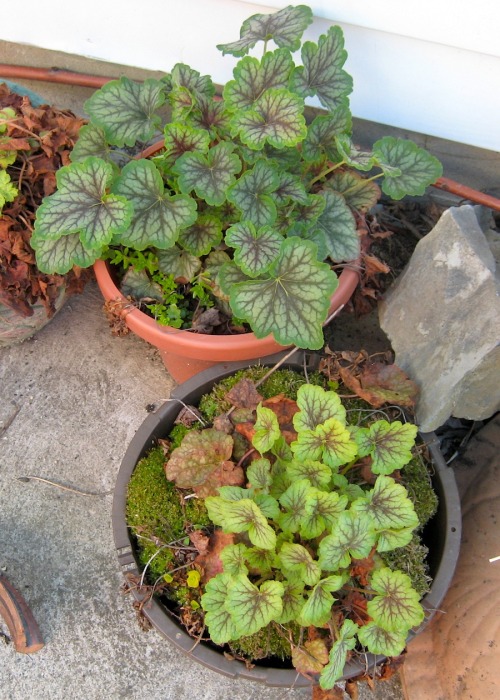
[267, 430]
[251, 193]
[202, 236]
[91, 142]
[254, 250]
[276, 119]
[253, 77]
[322, 72]
[321, 133]
[208, 175]
[184, 76]
[408, 169]
[293, 298]
[181, 138]
[338, 226]
[290, 187]
[359, 193]
[284, 27]
[352, 156]
[179, 263]
[61, 255]
[126, 110]
[158, 216]
[81, 204]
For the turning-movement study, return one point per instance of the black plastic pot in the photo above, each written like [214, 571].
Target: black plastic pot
[442, 535]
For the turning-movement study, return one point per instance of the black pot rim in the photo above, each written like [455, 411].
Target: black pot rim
[146, 437]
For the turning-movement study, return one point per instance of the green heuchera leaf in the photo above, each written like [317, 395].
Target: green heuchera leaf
[293, 601]
[81, 205]
[330, 442]
[359, 193]
[253, 608]
[184, 76]
[345, 642]
[380, 641]
[243, 516]
[322, 73]
[408, 169]
[138, 284]
[388, 504]
[204, 235]
[322, 511]
[254, 250]
[294, 500]
[267, 430]
[316, 406]
[178, 263]
[126, 110]
[290, 187]
[8, 191]
[233, 558]
[158, 217]
[210, 115]
[284, 27]
[338, 226]
[396, 604]
[91, 142]
[321, 133]
[267, 504]
[276, 119]
[217, 618]
[292, 300]
[261, 560]
[352, 536]
[297, 564]
[259, 475]
[208, 175]
[317, 473]
[389, 444]
[182, 138]
[253, 77]
[352, 156]
[318, 607]
[61, 255]
[251, 194]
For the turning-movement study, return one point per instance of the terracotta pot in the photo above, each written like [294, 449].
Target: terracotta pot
[441, 535]
[185, 353]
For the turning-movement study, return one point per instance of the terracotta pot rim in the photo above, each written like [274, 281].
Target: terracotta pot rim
[216, 347]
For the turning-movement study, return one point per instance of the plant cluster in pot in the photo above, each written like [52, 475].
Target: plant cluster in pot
[284, 530]
[243, 219]
[35, 141]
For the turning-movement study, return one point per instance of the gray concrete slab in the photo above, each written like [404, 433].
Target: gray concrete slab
[71, 399]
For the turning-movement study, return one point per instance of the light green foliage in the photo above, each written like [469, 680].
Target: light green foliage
[247, 169]
[307, 541]
[8, 191]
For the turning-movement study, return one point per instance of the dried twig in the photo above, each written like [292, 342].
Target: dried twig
[80, 492]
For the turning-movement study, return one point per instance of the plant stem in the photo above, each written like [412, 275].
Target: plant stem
[326, 172]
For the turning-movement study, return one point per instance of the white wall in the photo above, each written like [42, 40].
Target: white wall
[429, 66]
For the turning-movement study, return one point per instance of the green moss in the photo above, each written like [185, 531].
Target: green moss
[284, 381]
[411, 559]
[177, 434]
[416, 478]
[155, 514]
[266, 642]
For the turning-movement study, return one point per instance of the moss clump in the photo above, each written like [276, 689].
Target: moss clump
[416, 478]
[156, 515]
[284, 381]
[411, 559]
[267, 642]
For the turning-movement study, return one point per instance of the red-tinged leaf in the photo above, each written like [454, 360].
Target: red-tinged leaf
[200, 541]
[311, 658]
[210, 561]
[244, 394]
[202, 463]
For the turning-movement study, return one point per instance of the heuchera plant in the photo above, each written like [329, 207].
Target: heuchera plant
[248, 199]
[307, 538]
